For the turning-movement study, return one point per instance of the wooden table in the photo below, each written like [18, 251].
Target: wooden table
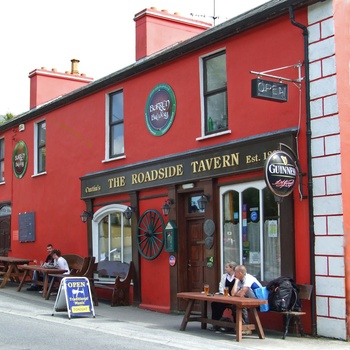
[240, 303]
[10, 270]
[44, 270]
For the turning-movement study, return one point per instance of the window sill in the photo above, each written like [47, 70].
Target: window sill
[112, 159]
[213, 135]
[2, 183]
[40, 174]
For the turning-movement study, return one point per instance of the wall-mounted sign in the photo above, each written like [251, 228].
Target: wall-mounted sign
[160, 109]
[20, 159]
[269, 90]
[230, 158]
[280, 173]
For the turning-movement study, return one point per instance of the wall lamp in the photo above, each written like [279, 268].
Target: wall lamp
[128, 212]
[203, 201]
[166, 206]
[85, 215]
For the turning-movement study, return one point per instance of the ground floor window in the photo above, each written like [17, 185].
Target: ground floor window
[111, 236]
[250, 229]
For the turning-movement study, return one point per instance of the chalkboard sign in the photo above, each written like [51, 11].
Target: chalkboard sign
[26, 227]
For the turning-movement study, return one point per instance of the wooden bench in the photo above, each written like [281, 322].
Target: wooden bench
[75, 262]
[305, 291]
[123, 274]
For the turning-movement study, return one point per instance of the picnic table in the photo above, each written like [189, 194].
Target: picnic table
[45, 270]
[240, 302]
[10, 269]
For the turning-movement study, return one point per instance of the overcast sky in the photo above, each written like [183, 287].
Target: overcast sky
[101, 34]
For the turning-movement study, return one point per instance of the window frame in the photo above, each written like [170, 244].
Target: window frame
[109, 154]
[206, 94]
[286, 241]
[98, 216]
[2, 160]
[38, 148]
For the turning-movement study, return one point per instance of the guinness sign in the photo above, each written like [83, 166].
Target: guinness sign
[280, 173]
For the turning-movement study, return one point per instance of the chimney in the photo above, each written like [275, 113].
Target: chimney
[75, 64]
[46, 85]
[156, 30]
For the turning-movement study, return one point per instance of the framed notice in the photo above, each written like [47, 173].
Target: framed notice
[74, 296]
[26, 227]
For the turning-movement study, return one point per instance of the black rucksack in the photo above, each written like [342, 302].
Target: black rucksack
[283, 295]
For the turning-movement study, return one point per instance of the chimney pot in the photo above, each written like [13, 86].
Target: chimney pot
[74, 69]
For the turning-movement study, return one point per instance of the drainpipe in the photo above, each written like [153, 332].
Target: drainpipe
[308, 141]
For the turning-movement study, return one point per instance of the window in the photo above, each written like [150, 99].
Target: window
[2, 160]
[40, 136]
[116, 124]
[251, 229]
[112, 235]
[215, 93]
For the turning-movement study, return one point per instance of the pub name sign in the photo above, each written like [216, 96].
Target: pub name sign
[190, 166]
[269, 90]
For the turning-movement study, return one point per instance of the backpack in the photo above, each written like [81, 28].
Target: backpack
[283, 295]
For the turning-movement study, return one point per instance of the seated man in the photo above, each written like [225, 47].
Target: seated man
[37, 276]
[244, 287]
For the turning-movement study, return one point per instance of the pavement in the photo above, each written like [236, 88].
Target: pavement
[145, 325]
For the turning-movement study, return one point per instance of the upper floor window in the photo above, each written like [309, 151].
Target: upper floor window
[116, 124]
[215, 93]
[2, 159]
[40, 159]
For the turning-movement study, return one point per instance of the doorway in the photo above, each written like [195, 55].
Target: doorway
[5, 224]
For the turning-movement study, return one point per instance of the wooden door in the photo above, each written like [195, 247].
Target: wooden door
[196, 255]
[4, 235]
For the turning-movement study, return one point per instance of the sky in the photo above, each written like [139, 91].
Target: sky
[101, 34]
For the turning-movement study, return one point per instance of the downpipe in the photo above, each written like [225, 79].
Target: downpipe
[309, 167]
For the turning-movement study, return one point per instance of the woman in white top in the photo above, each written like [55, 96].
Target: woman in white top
[60, 262]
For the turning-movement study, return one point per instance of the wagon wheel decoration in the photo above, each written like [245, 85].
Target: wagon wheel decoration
[150, 235]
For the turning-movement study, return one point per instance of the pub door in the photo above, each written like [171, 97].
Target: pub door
[4, 235]
[196, 257]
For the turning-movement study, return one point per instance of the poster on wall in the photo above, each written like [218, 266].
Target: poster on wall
[26, 227]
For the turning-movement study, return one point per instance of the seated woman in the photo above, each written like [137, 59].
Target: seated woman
[227, 280]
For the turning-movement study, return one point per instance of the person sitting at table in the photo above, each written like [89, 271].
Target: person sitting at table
[60, 261]
[244, 286]
[37, 276]
[227, 280]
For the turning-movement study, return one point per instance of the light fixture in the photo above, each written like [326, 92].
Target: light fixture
[85, 215]
[166, 206]
[203, 201]
[128, 212]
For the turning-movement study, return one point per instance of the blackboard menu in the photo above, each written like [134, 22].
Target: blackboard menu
[26, 227]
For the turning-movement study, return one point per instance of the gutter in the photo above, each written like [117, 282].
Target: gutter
[309, 167]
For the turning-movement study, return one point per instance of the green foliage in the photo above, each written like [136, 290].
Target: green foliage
[7, 117]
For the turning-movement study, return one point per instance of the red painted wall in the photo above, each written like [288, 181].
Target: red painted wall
[76, 139]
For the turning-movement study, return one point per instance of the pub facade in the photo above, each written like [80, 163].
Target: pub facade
[165, 162]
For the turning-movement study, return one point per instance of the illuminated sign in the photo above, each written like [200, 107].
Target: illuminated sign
[280, 173]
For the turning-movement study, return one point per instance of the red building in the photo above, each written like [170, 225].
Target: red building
[183, 129]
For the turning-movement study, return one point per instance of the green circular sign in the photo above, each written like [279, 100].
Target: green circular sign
[160, 109]
[20, 159]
